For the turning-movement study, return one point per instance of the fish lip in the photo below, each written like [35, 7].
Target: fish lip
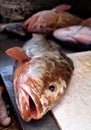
[36, 108]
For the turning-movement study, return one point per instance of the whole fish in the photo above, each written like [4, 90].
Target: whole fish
[41, 76]
[49, 20]
[76, 34]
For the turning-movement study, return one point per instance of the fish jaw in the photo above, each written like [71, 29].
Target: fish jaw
[22, 101]
[27, 97]
[32, 105]
[28, 102]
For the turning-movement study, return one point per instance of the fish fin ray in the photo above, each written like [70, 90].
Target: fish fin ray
[62, 7]
[17, 53]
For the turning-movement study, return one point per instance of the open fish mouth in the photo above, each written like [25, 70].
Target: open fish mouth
[33, 108]
[29, 104]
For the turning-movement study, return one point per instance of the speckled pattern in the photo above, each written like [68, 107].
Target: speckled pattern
[16, 10]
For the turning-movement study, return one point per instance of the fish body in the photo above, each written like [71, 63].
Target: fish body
[76, 34]
[49, 20]
[40, 78]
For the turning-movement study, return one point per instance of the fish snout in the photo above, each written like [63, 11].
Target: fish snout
[29, 104]
[36, 108]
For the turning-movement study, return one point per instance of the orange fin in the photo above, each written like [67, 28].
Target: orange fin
[62, 7]
[17, 53]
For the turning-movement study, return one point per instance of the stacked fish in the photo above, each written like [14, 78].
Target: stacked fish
[58, 22]
[63, 25]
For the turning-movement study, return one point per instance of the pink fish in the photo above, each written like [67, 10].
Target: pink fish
[49, 20]
[40, 78]
[77, 34]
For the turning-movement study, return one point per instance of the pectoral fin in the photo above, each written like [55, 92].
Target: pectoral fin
[17, 53]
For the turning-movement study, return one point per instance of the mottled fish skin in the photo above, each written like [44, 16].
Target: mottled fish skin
[49, 20]
[76, 34]
[41, 78]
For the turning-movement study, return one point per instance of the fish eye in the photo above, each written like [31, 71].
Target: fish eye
[51, 88]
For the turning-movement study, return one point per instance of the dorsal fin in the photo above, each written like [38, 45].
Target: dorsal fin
[17, 53]
[62, 7]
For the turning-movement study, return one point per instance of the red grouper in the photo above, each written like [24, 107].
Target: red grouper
[48, 21]
[41, 76]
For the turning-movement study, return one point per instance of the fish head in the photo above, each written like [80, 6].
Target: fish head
[37, 88]
[38, 85]
[42, 22]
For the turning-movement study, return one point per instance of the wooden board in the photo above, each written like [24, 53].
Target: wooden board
[73, 112]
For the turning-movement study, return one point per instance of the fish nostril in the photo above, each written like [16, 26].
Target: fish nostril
[51, 88]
